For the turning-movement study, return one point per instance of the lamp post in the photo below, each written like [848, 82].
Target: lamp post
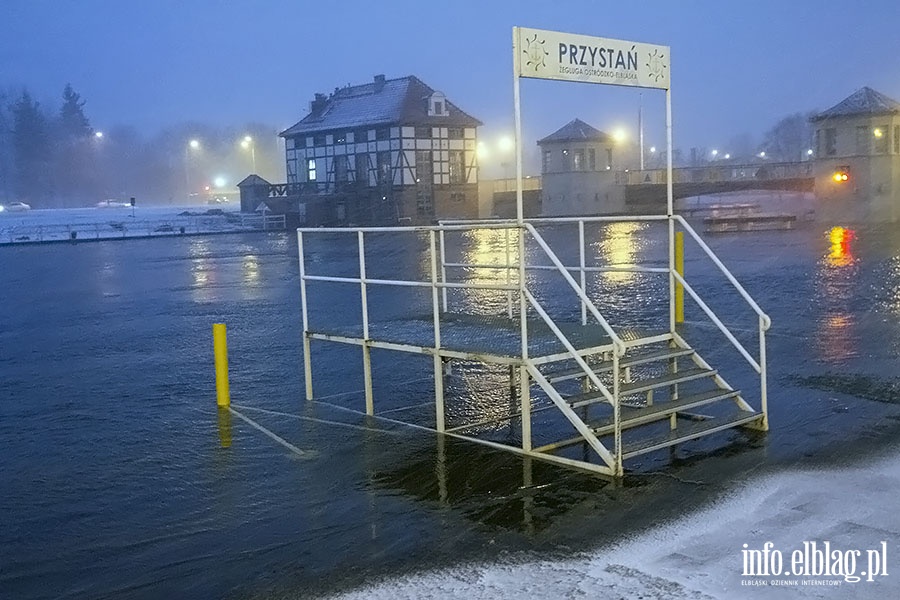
[192, 145]
[247, 143]
[506, 146]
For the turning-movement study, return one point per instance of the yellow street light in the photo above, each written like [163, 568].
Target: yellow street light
[247, 143]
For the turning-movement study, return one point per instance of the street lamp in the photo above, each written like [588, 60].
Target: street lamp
[98, 134]
[247, 143]
[506, 146]
[192, 145]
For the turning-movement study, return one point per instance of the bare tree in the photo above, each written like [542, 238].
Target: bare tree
[790, 138]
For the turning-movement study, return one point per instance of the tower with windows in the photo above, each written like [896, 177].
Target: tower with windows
[857, 159]
[578, 172]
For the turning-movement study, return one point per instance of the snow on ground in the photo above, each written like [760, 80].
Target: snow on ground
[119, 222]
[701, 556]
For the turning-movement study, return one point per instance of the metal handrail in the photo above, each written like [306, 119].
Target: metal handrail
[765, 320]
[617, 341]
[570, 347]
[718, 322]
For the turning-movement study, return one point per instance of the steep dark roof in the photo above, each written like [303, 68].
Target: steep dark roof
[576, 130]
[865, 101]
[251, 180]
[388, 102]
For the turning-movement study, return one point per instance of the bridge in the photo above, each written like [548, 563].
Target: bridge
[647, 188]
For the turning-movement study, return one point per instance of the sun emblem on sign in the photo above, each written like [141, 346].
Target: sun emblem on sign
[534, 50]
[656, 65]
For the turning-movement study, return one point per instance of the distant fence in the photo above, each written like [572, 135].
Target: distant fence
[130, 228]
[722, 173]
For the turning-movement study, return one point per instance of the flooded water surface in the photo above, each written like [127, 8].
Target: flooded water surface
[122, 480]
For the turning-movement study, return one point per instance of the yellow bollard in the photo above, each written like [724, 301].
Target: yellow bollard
[679, 268]
[224, 427]
[220, 344]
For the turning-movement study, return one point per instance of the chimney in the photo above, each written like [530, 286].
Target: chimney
[379, 83]
[318, 103]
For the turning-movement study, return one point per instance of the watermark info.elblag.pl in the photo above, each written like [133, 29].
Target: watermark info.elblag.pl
[812, 564]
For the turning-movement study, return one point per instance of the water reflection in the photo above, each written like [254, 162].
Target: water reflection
[841, 252]
[250, 270]
[202, 269]
[837, 337]
[500, 490]
[224, 425]
[489, 248]
[618, 248]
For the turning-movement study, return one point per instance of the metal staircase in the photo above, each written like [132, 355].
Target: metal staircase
[621, 393]
[662, 381]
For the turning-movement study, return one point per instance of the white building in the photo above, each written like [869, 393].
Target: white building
[578, 172]
[857, 164]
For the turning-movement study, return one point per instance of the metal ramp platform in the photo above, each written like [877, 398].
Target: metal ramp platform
[582, 392]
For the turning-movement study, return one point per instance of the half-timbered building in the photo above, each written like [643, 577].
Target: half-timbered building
[385, 152]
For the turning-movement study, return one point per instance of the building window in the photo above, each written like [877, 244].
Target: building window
[609, 163]
[340, 169]
[362, 169]
[455, 133]
[423, 132]
[319, 139]
[592, 160]
[457, 167]
[880, 135]
[424, 166]
[382, 133]
[457, 197]
[361, 136]
[340, 137]
[578, 162]
[831, 141]
[862, 139]
[311, 169]
[565, 159]
[384, 167]
[545, 165]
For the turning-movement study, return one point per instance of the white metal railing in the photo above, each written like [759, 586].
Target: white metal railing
[438, 281]
[764, 321]
[439, 285]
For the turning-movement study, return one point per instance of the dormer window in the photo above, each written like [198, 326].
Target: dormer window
[437, 105]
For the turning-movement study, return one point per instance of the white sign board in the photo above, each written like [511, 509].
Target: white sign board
[571, 57]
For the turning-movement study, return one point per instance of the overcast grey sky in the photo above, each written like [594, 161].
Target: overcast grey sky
[736, 66]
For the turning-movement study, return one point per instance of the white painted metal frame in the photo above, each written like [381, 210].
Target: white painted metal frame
[526, 365]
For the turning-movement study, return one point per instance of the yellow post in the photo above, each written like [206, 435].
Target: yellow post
[220, 344]
[679, 268]
[224, 427]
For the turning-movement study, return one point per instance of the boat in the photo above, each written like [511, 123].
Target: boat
[14, 207]
[109, 203]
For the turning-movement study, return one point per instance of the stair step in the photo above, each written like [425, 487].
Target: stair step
[665, 380]
[687, 432]
[594, 396]
[634, 416]
[606, 366]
